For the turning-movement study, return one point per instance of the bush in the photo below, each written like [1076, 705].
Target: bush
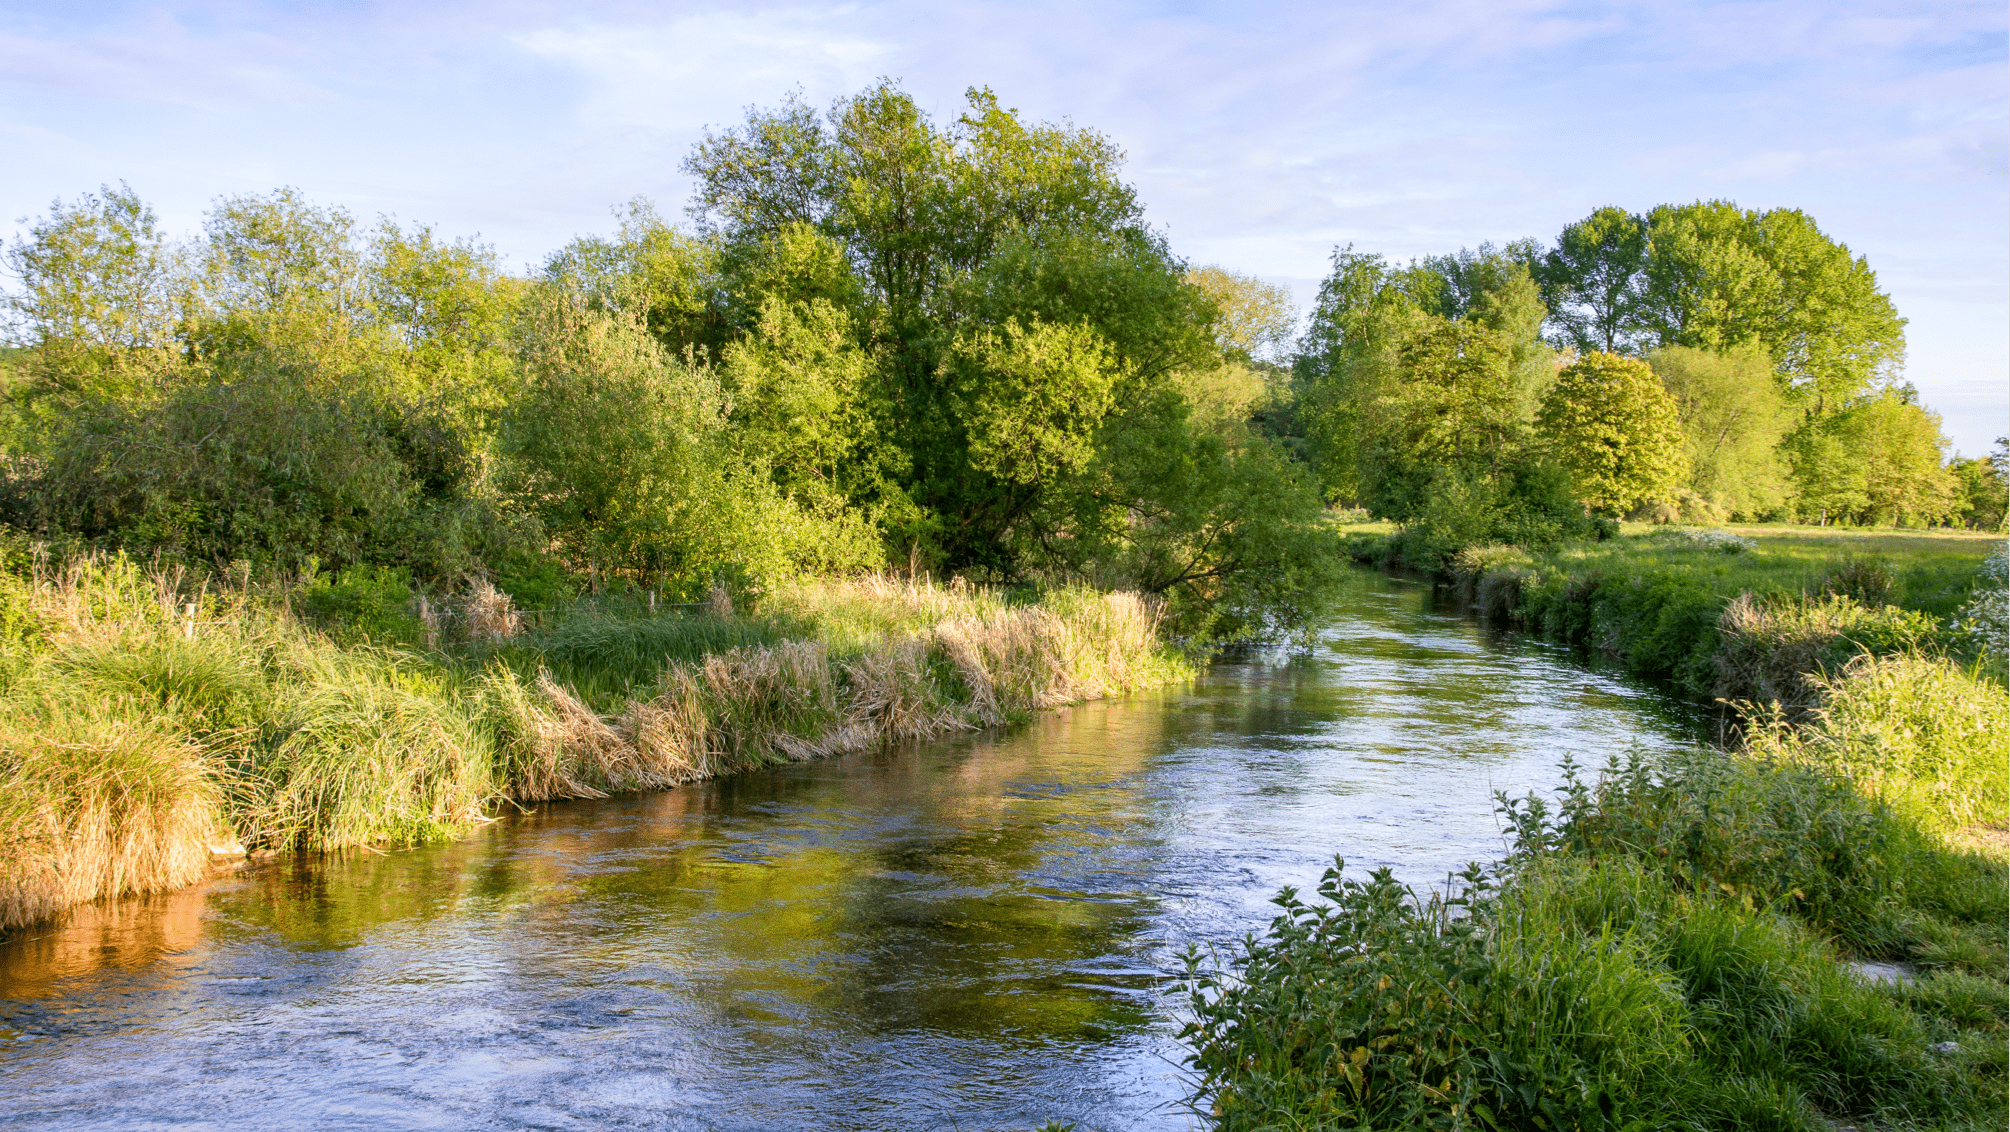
[1777, 649]
[1654, 954]
[1582, 994]
[269, 470]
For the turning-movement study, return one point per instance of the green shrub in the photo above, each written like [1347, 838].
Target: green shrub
[1582, 993]
[1777, 649]
[368, 603]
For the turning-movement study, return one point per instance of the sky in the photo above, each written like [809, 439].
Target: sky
[1260, 137]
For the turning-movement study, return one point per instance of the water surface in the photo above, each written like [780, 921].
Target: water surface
[969, 934]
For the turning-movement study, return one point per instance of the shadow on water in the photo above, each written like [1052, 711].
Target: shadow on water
[967, 934]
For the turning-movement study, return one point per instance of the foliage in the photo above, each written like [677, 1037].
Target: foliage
[264, 470]
[1254, 318]
[1710, 276]
[1733, 420]
[1875, 462]
[1914, 732]
[1594, 281]
[954, 344]
[1613, 425]
[1652, 954]
[1982, 489]
[99, 296]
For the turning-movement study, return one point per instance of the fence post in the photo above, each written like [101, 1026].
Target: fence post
[188, 625]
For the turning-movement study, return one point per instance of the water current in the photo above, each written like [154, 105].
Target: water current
[976, 933]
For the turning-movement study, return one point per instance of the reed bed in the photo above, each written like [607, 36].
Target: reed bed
[153, 721]
[759, 705]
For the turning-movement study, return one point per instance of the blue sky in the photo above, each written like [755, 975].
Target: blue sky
[1259, 138]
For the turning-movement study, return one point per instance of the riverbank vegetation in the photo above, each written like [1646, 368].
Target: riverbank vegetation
[1806, 930]
[422, 535]
[1794, 935]
[152, 725]
[1734, 616]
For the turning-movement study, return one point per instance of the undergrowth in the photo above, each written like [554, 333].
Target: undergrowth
[1663, 949]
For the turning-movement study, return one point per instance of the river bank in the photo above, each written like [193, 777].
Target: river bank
[156, 723]
[971, 932]
[1804, 930]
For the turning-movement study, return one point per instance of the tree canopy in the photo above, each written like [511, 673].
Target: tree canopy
[952, 346]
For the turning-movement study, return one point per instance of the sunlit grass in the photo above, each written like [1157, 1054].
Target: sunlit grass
[136, 740]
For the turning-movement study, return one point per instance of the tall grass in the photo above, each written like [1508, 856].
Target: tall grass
[136, 743]
[762, 704]
[93, 801]
[1917, 733]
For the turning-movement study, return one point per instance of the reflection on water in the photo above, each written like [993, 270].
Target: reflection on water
[970, 934]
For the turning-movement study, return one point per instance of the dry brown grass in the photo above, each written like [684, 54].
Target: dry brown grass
[749, 707]
[92, 807]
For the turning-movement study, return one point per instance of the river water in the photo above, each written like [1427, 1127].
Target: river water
[969, 934]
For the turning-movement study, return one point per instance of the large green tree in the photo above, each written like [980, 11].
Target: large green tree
[1710, 275]
[1614, 426]
[1014, 325]
[1593, 281]
[1733, 420]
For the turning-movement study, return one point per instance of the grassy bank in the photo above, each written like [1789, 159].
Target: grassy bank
[1682, 943]
[1747, 613]
[140, 743]
[1677, 944]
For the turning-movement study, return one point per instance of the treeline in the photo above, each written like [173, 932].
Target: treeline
[1696, 363]
[945, 347]
[882, 341]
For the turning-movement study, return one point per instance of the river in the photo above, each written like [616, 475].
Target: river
[971, 934]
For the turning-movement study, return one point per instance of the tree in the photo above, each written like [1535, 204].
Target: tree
[1982, 489]
[1614, 426]
[1255, 318]
[1710, 275]
[1733, 420]
[1830, 480]
[1721, 277]
[653, 272]
[1901, 447]
[1365, 309]
[797, 387]
[282, 284]
[99, 296]
[621, 453]
[1593, 281]
[1878, 461]
[451, 312]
